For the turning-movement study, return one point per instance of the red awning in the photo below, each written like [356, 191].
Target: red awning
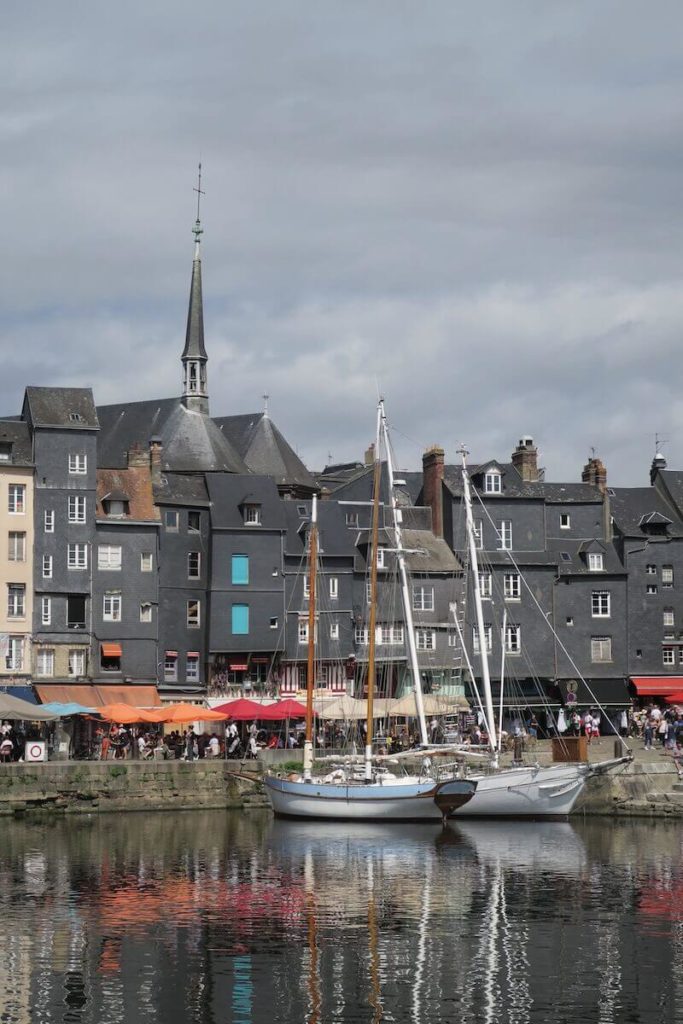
[95, 696]
[111, 650]
[657, 686]
[171, 654]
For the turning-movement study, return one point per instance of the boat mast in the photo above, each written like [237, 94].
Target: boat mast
[372, 624]
[483, 653]
[405, 591]
[310, 667]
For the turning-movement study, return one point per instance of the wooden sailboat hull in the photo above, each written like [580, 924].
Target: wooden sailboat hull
[533, 792]
[398, 800]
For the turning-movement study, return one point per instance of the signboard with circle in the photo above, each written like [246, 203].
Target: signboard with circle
[35, 750]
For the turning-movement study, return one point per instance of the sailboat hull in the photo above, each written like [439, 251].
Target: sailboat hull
[398, 800]
[534, 792]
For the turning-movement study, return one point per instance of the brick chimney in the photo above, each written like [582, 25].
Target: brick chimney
[370, 455]
[137, 456]
[525, 459]
[432, 486]
[155, 449]
[595, 473]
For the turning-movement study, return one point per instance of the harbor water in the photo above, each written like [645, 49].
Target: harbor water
[234, 918]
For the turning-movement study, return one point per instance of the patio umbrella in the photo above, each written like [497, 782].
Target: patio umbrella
[185, 713]
[15, 708]
[243, 710]
[65, 710]
[281, 710]
[124, 714]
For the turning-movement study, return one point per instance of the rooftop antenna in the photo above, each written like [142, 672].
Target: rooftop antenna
[659, 443]
[265, 404]
[197, 229]
[593, 452]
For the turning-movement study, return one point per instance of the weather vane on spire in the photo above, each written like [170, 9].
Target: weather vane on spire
[197, 229]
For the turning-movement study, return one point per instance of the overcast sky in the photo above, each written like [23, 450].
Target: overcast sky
[474, 207]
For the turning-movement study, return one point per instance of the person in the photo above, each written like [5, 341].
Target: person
[214, 747]
[6, 748]
[532, 728]
[190, 749]
[588, 726]
[647, 733]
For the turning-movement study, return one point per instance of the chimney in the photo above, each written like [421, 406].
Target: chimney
[137, 456]
[155, 449]
[370, 455]
[432, 486]
[525, 459]
[658, 463]
[595, 473]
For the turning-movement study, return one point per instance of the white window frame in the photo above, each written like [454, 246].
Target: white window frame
[601, 604]
[565, 521]
[488, 634]
[485, 584]
[16, 600]
[668, 617]
[493, 482]
[46, 611]
[334, 631]
[76, 508]
[16, 546]
[334, 588]
[77, 662]
[351, 519]
[192, 668]
[478, 531]
[16, 499]
[194, 619]
[668, 655]
[170, 668]
[47, 567]
[596, 561]
[513, 638]
[252, 515]
[78, 463]
[667, 577]
[423, 597]
[145, 611]
[381, 558]
[650, 569]
[77, 556]
[425, 639]
[505, 535]
[512, 586]
[601, 649]
[109, 557]
[146, 561]
[49, 520]
[14, 659]
[45, 662]
[112, 607]
[651, 588]
[302, 631]
[361, 636]
[194, 575]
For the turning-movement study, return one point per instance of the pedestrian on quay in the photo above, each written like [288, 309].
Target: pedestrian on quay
[647, 733]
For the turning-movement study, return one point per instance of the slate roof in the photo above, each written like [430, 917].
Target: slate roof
[194, 334]
[515, 487]
[359, 486]
[16, 434]
[336, 538]
[265, 450]
[673, 482]
[631, 506]
[229, 493]
[180, 489]
[191, 441]
[577, 565]
[57, 407]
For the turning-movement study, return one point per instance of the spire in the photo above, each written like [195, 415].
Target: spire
[194, 357]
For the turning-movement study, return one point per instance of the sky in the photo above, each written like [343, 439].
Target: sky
[474, 209]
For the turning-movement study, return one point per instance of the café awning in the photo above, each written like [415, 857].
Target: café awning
[657, 686]
[96, 696]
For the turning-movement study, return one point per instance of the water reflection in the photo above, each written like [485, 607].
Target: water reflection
[215, 917]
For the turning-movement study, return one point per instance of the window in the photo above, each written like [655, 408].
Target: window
[302, 634]
[145, 612]
[194, 521]
[452, 640]
[193, 565]
[565, 521]
[76, 508]
[570, 620]
[595, 561]
[513, 639]
[334, 588]
[600, 604]
[651, 588]
[511, 586]
[47, 567]
[78, 464]
[307, 588]
[601, 648]
[46, 610]
[565, 556]
[171, 667]
[115, 508]
[111, 607]
[505, 535]
[109, 557]
[667, 576]
[193, 614]
[478, 530]
[488, 634]
[49, 520]
[493, 482]
[45, 662]
[423, 598]
[368, 591]
[171, 519]
[16, 499]
[381, 558]
[352, 519]
[240, 570]
[650, 570]
[240, 619]
[14, 659]
[16, 551]
[361, 636]
[146, 561]
[392, 634]
[668, 655]
[273, 622]
[302, 510]
[76, 662]
[485, 584]
[334, 631]
[252, 515]
[16, 600]
[425, 639]
[668, 617]
[192, 668]
[77, 556]
[75, 611]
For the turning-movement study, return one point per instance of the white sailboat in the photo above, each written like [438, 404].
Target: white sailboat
[368, 792]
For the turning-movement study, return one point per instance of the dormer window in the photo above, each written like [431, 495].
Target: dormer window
[5, 452]
[595, 562]
[115, 508]
[493, 483]
[252, 515]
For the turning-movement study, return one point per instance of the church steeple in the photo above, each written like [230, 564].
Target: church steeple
[194, 358]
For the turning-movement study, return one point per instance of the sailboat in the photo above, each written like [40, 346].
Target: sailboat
[370, 792]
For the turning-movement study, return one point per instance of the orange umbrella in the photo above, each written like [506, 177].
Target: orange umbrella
[184, 713]
[125, 714]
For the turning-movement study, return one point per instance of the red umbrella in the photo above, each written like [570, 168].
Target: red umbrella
[283, 709]
[242, 710]
[674, 698]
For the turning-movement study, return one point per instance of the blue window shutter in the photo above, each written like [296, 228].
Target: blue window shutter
[240, 568]
[240, 618]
